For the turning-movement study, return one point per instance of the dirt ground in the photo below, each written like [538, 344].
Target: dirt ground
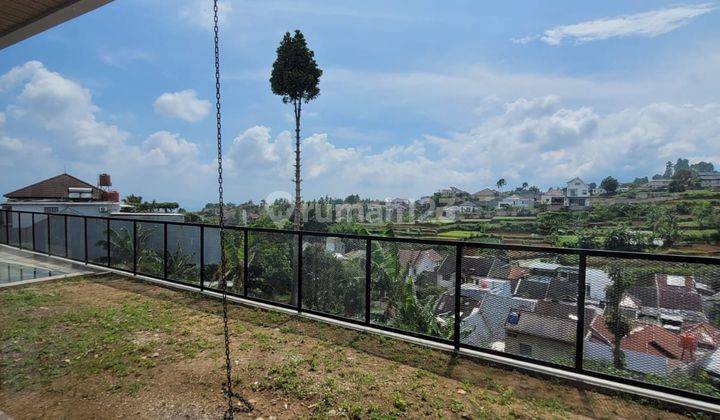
[113, 347]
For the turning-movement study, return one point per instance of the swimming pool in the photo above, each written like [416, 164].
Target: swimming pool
[10, 273]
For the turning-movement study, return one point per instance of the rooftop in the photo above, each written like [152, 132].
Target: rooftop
[131, 348]
[55, 188]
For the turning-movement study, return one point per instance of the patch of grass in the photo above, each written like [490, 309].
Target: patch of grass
[24, 299]
[285, 378]
[459, 234]
[399, 402]
[83, 341]
[456, 406]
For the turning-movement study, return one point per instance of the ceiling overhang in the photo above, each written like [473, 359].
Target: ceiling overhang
[21, 19]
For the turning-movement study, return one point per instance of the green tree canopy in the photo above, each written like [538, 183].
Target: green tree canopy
[609, 184]
[295, 74]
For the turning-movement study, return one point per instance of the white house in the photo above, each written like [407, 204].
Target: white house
[451, 212]
[63, 194]
[516, 201]
[659, 184]
[577, 193]
[709, 179]
[553, 197]
[468, 207]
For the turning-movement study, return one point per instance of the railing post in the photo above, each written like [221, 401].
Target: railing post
[202, 258]
[66, 238]
[19, 230]
[107, 233]
[165, 253]
[134, 244]
[7, 227]
[458, 279]
[47, 231]
[246, 252]
[85, 238]
[368, 274]
[32, 229]
[299, 271]
[582, 272]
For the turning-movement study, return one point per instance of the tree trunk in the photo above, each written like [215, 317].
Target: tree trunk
[297, 215]
[618, 356]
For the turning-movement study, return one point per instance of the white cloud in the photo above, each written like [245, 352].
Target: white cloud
[199, 13]
[165, 148]
[57, 104]
[543, 139]
[184, 105]
[52, 123]
[123, 57]
[538, 140]
[647, 24]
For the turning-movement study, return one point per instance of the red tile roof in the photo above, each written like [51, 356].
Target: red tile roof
[706, 334]
[643, 338]
[661, 281]
[55, 188]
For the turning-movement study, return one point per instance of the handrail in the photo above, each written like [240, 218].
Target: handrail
[298, 239]
[446, 242]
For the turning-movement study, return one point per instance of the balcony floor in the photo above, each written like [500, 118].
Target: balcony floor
[111, 346]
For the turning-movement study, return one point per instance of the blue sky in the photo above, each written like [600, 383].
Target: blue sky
[415, 96]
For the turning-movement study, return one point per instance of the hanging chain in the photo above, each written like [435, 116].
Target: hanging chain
[245, 405]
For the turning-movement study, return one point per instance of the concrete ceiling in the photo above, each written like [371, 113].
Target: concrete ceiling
[21, 19]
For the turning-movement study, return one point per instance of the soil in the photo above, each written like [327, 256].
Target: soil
[113, 347]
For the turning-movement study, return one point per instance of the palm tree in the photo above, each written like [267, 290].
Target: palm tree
[122, 249]
[500, 184]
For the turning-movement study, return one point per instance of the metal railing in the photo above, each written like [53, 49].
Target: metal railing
[542, 305]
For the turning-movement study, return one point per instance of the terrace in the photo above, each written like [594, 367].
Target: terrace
[110, 344]
[407, 289]
[337, 325]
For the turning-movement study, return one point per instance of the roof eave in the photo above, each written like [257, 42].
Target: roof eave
[53, 17]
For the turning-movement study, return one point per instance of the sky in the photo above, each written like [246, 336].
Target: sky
[415, 96]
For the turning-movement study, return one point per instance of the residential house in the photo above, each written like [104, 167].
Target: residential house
[485, 194]
[532, 287]
[548, 332]
[516, 201]
[63, 194]
[659, 184]
[473, 268]
[486, 199]
[335, 245]
[418, 262]
[452, 195]
[707, 336]
[671, 301]
[596, 280]
[709, 179]
[648, 348]
[468, 208]
[425, 200]
[598, 191]
[451, 212]
[577, 193]
[554, 198]
[482, 315]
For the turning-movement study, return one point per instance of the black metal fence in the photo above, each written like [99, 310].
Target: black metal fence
[650, 320]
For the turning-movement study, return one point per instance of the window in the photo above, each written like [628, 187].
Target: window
[525, 350]
[51, 210]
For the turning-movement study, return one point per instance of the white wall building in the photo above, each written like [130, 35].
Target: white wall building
[577, 193]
